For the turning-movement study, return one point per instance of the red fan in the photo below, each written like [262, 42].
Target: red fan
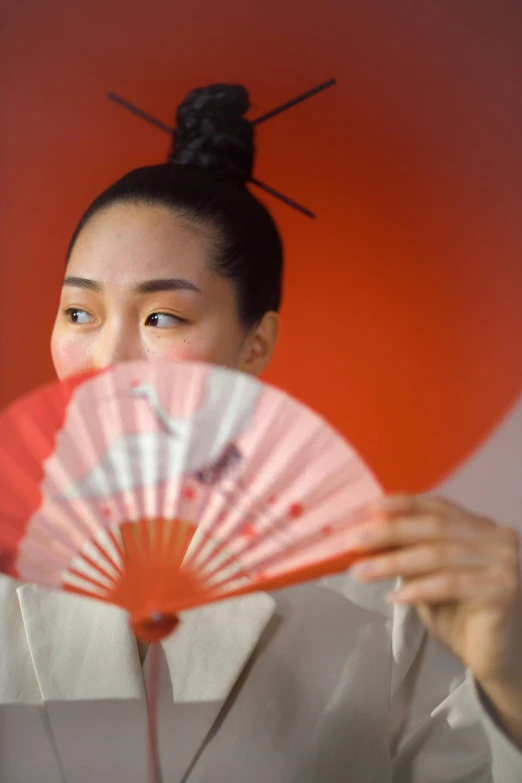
[161, 487]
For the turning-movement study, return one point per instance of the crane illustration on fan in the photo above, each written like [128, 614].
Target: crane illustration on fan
[162, 487]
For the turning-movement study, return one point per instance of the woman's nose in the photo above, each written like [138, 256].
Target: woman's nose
[115, 345]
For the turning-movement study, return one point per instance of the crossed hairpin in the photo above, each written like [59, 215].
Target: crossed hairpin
[263, 118]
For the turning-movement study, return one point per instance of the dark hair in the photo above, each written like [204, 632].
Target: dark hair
[205, 181]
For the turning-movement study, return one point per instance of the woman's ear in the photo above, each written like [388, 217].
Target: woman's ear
[259, 345]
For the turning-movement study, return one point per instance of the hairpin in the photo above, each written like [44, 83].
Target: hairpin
[263, 118]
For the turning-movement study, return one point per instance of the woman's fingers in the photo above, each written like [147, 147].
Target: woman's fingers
[495, 584]
[423, 504]
[431, 557]
[382, 532]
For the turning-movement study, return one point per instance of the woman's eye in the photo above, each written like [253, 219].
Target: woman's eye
[77, 316]
[163, 320]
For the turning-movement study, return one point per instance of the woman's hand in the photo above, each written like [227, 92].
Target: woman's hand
[462, 572]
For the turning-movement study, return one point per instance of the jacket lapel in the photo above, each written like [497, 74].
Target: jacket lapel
[80, 649]
[199, 665]
[87, 667]
[207, 654]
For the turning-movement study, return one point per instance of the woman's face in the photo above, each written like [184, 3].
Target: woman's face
[139, 286]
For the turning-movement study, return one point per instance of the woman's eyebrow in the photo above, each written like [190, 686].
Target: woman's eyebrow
[168, 284]
[82, 282]
[147, 287]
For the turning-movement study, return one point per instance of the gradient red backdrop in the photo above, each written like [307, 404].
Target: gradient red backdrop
[403, 310]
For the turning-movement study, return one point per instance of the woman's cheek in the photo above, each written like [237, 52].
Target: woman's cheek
[69, 358]
[179, 351]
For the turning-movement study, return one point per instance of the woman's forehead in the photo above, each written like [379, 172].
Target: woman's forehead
[136, 242]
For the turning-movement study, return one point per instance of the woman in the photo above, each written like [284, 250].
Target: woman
[324, 682]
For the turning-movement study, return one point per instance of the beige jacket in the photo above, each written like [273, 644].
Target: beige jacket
[317, 684]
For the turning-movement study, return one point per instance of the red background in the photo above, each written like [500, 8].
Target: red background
[403, 311]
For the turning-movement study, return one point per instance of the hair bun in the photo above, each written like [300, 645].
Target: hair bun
[213, 134]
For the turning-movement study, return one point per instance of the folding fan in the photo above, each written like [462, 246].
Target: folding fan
[162, 487]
